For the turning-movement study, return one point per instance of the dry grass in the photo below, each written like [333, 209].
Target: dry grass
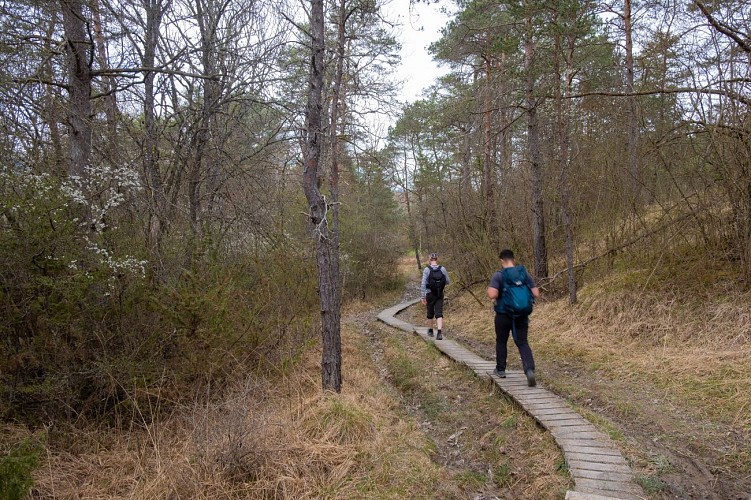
[280, 440]
[489, 446]
[692, 339]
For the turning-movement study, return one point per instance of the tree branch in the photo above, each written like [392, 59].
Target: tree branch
[724, 28]
[546, 281]
[682, 90]
[125, 71]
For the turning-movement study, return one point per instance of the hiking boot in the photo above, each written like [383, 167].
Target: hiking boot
[531, 378]
[439, 336]
[499, 373]
[430, 332]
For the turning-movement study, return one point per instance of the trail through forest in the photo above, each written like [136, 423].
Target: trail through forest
[485, 445]
[676, 450]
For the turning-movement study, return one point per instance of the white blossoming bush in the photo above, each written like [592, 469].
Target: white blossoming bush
[99, 193]
[87, 331]
[66, 272]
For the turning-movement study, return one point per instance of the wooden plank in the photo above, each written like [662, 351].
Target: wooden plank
[531, 408]
[613, 495]
[594, 451]
[533, 396]
[513, 381]
[584, 441]
[537, 394]
[563, 415]
[601, 475]
[564, 433]
[566, 419]
[545, 403]
[578, 495]
[598, 466]
[575, 422]
[556, 411]
[585, 457]
[542, 403]
[576, 428]
[609, 486]
[527, 395]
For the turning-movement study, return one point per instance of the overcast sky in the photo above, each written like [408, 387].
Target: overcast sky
[420, 26]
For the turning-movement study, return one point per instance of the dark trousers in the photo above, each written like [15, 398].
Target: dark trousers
[502, 329]
[435, 305]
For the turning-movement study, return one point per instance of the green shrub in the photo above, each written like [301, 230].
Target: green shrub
[17, 468]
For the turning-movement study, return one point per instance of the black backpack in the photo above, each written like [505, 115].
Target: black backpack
[436, 281]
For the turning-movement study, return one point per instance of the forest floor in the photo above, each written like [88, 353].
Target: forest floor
[678, 412]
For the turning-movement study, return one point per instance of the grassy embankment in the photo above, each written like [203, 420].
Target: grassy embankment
[658, 355]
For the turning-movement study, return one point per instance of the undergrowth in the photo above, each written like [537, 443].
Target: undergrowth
[277, 437]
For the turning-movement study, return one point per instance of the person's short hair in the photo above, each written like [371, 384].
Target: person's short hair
[506, 255]
[433, 256]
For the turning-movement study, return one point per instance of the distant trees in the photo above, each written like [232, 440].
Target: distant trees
[596, 122]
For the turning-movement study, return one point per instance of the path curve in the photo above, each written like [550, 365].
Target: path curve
[597, 467]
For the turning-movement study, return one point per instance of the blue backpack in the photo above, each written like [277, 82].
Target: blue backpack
[516, 298]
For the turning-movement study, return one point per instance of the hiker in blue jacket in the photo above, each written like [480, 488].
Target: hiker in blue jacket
[513, 290]
[434, 280]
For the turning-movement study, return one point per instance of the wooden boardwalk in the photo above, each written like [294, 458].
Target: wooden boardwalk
[597, 467]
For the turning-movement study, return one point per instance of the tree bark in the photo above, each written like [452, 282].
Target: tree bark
[563, 120]
[79, 51]
[110, 85]
[50, 114]
[411, 220]
[156, 195]
[633, 118]
[487, 179]
[327, 280]
[533, 152]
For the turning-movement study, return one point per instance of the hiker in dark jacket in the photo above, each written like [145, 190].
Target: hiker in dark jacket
[434, 279]
[512, 276]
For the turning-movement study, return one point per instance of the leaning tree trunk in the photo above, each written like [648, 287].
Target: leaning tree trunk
[328, 282]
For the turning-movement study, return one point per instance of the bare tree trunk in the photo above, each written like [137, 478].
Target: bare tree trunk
[487, 178]
[49, 109]
[79, 50]
[156, 195]
[412, 224]
[633, 118]
[533, 151]
[110, 85]
[331, 374]
[466, 181]
[208, 15]
[505, 139]
[563, 116]
[337, 106]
